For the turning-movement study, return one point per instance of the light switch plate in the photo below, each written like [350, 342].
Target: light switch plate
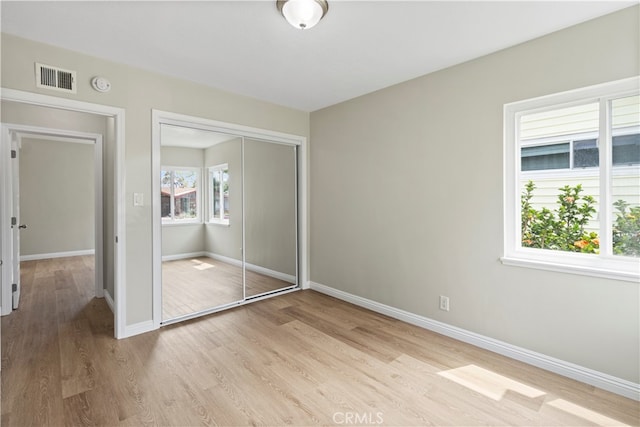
[138, 199]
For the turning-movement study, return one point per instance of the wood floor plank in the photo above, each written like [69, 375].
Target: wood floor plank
[230, 407]
[200, 283]
[263, 395]
[76, 357]
[332, 327]
[78, 410]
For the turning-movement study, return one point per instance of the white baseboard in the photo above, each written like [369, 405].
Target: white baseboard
[232, 261]
[255, 268]
[57, 255]
[183, 256]
[586, 375]
[272, 273]
[109, 299]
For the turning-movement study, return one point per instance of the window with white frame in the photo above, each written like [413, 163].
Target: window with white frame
[572, 181]
[179, 194]
[219, 194]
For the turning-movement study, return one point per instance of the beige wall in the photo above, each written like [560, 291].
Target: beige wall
[226, 240]
[58, 197]
[138, 92]
[270, 206]
[406, 200]
[182, 239]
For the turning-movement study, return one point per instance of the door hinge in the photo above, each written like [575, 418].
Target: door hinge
[116, 239]
[14, 221]
[14, 287]
[14, 154]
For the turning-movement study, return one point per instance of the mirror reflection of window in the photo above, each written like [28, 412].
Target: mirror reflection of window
[219, 194]
[179, 194]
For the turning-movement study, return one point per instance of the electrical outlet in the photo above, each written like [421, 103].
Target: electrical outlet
[444, 303]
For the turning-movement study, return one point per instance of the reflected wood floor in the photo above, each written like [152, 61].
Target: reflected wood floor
[299, 359]
[195, 284]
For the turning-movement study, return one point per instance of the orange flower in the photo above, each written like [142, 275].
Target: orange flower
[581, 244]
[596, 242]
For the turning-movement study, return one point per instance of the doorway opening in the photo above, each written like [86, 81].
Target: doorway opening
[112, 209]
[54, 201]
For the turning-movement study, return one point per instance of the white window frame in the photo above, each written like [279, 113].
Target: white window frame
[604, 264]
[198, 218]
[212, 218]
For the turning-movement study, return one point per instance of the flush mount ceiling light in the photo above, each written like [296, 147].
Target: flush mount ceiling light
[303, 14]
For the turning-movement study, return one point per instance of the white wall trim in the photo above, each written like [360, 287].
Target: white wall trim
[228, 260]
[559, 265]
[109, 299]
[289, 278]
[586, 375]
[255, 268]
[6, 269]
[57, 255]
[183, 256]
[138, 328]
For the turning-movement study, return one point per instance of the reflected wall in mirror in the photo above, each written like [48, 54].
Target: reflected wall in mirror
[192, 280]
[229, 219]
[270, 216]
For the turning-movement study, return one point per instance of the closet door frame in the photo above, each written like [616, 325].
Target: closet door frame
[300, 142]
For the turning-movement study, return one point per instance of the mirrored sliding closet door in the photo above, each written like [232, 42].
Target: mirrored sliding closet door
[270, 217]
[228, 220]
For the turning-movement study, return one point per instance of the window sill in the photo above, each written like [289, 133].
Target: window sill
[220, 224]
[629, 274]
[178, 223]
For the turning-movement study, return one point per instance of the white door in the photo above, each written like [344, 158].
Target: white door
[15, 221]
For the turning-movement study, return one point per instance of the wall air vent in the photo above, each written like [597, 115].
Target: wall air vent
[55, 78]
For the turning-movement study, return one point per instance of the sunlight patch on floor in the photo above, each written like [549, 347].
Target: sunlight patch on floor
[488, 383]
[494, 386]
[584, 413]
[199, 265]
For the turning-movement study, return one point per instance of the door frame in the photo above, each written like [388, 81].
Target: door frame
[158, 118]
[118, 300]
[34, 132]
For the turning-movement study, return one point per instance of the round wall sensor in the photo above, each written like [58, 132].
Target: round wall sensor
[101, 84]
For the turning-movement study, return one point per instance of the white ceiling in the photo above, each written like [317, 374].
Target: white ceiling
[246, 47]
[181, 136]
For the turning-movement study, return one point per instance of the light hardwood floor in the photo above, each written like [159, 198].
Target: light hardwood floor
[195, 284]
[298, 359]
